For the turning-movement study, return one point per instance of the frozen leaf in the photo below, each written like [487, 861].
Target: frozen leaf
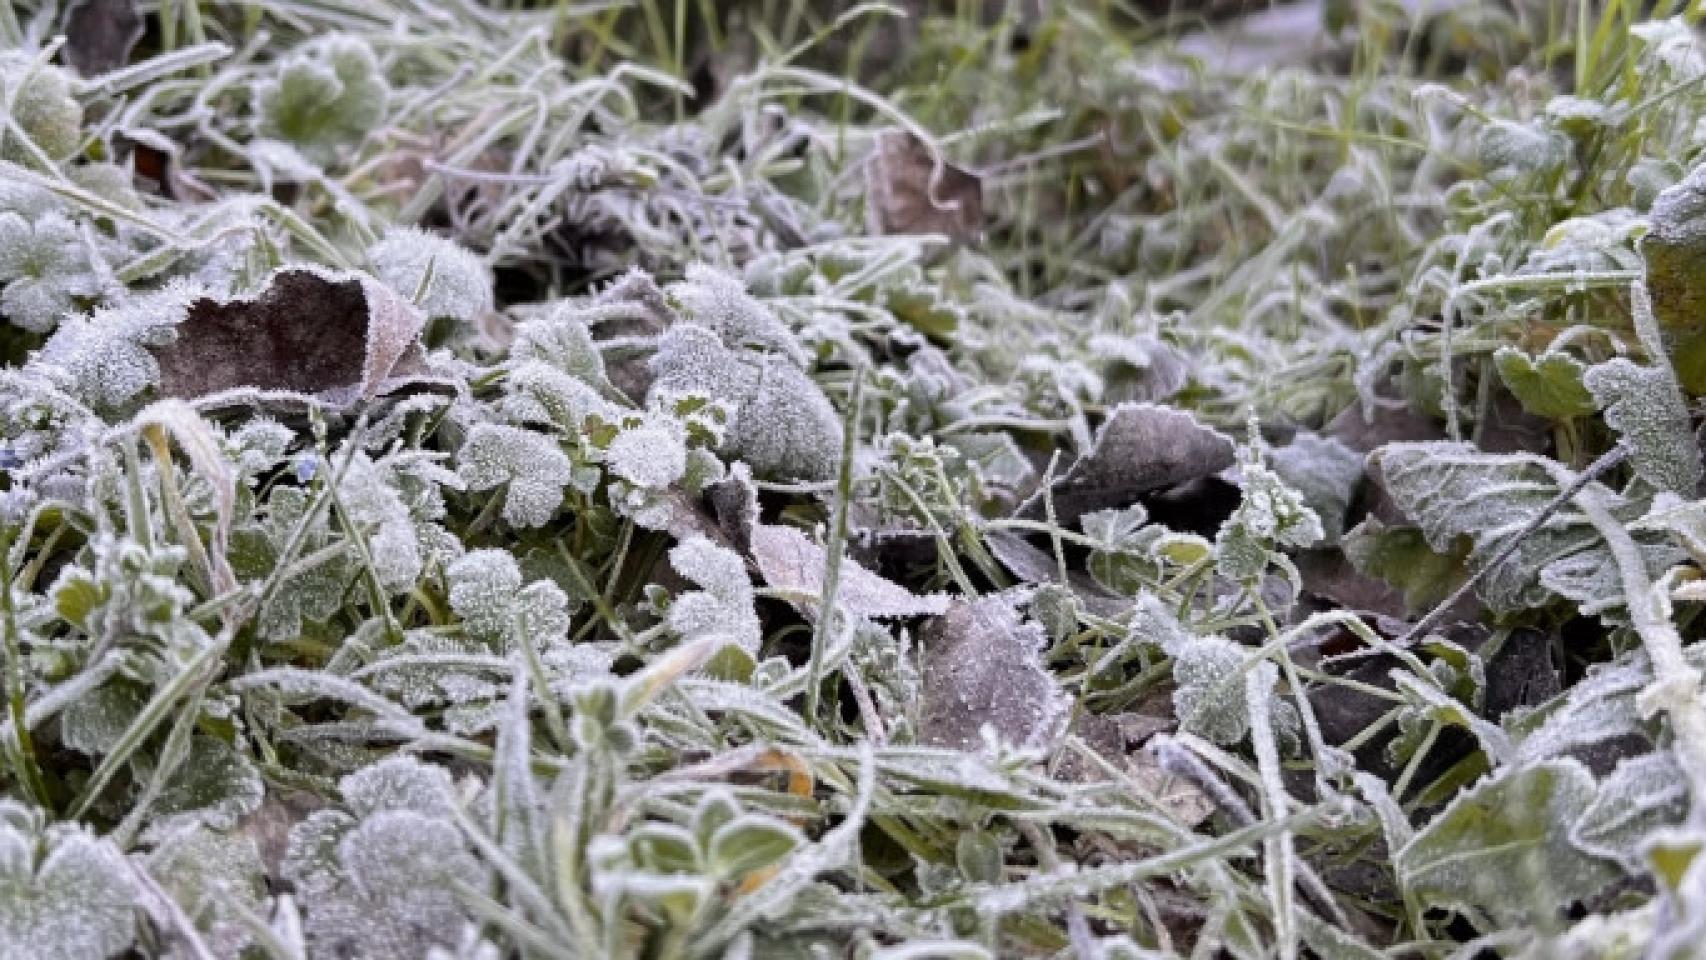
[722, 607]
[1509, 150]
[327, 94]
[1642, 795]
[337, 337]
[400, 782]
[983, 666]
[1646, 407]
[100, 34]
[95, 722]
[1210, 696]
[370, 495]
[1549, 385]
[1454, 491]
[1672, 247]
[1270, 516]
[44, 267]
[42, 106]
[750, 842]
[483, 584]
[911, 189]
[1672, 45]
[65, 894]
[1326, 472]
[560, 339]
[1503, 846]
[791, 562]
[652, 455]
[441, 278]
[532, 468]
[783, 425]
[210, 874]
[719, 302]
[1140, 448]
[216, 785]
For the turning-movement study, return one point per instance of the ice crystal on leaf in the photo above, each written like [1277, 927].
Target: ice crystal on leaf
[1645, 406]
[531, 468]
[722, 607]
[104, 359]
[1272, 515]
[486, 592]
[65, 894]
[713, 299]
[782, 425]
[441, 277]
[44, 268]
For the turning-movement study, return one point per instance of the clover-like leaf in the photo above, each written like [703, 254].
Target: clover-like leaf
[327, 94]
[531, 467]
[722, 607]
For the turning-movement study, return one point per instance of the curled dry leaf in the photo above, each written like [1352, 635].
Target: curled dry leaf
[1140, 448]
[309, 335]
[912, 189]
[983, 665]
[791, 562]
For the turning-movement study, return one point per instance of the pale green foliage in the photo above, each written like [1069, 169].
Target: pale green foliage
[1272, 515]
[324, 96]
[40, 102]
[1549, 385]
[529, 466]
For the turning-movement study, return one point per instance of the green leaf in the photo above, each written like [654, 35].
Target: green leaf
[664, 848]
[751, 842]
[1502, 848]
[1646, 407]
[1547, 386]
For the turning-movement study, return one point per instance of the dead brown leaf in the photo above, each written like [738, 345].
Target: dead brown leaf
[912, 190]
[1141, 447]
[309, 336]
[99, 34]
[791, 562]
[983, 665]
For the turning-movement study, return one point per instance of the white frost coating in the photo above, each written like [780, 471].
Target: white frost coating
[714, 299]
[782, 425]
[460, 286]
[483, 584]
[103, 359]
[65, 894]
[789, 561]
[399, 782]
[43, 266]
[533, 467]
[373, 503]
[652, 455]
[723, 606]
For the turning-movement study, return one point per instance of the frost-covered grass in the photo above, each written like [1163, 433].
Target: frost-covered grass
[669, 479]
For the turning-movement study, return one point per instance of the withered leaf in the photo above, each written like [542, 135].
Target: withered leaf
[1141, 447]
[99, 34]
[309, 335]
[983, 665]
[910, 189]
[789, 561]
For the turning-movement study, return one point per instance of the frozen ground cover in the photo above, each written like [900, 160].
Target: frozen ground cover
[665, 479]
